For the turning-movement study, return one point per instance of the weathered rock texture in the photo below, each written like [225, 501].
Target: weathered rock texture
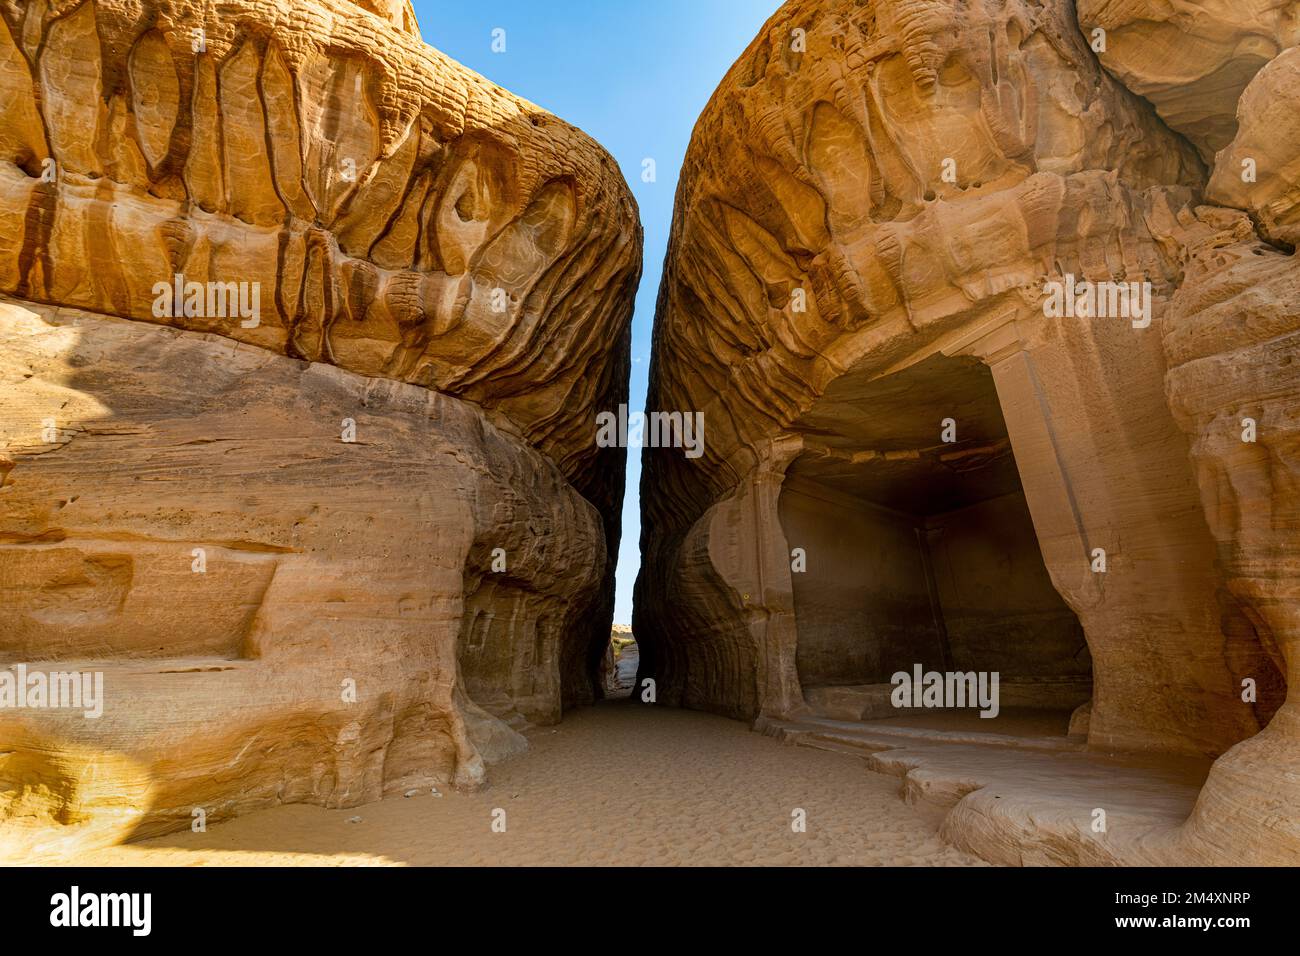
[1259, 171]
[377, 191]
[1190, 59]
[444, 265]
[871, 212]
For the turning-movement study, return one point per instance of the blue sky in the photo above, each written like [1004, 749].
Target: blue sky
[634, 76]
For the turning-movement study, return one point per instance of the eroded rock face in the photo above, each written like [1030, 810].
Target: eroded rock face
[1233, 345]
[397, 12]
[878, 213]
[1190, 58]
[380, 195]
[200, 532]
[385, 456]
[1259, 171]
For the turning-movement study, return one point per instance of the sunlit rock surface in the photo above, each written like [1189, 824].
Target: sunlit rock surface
[386, 458]
[915, 457]
[1190, 59]
[1259, 171]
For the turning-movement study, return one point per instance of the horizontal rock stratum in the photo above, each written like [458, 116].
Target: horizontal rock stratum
[916, 454]
[305, 328]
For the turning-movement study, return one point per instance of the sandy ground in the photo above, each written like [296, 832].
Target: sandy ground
[616, 784]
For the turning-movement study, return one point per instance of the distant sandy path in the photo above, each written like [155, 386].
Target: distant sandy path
[619, 783]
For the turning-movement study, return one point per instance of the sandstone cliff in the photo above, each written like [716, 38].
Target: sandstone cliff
[385, 456]
[874, 210]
